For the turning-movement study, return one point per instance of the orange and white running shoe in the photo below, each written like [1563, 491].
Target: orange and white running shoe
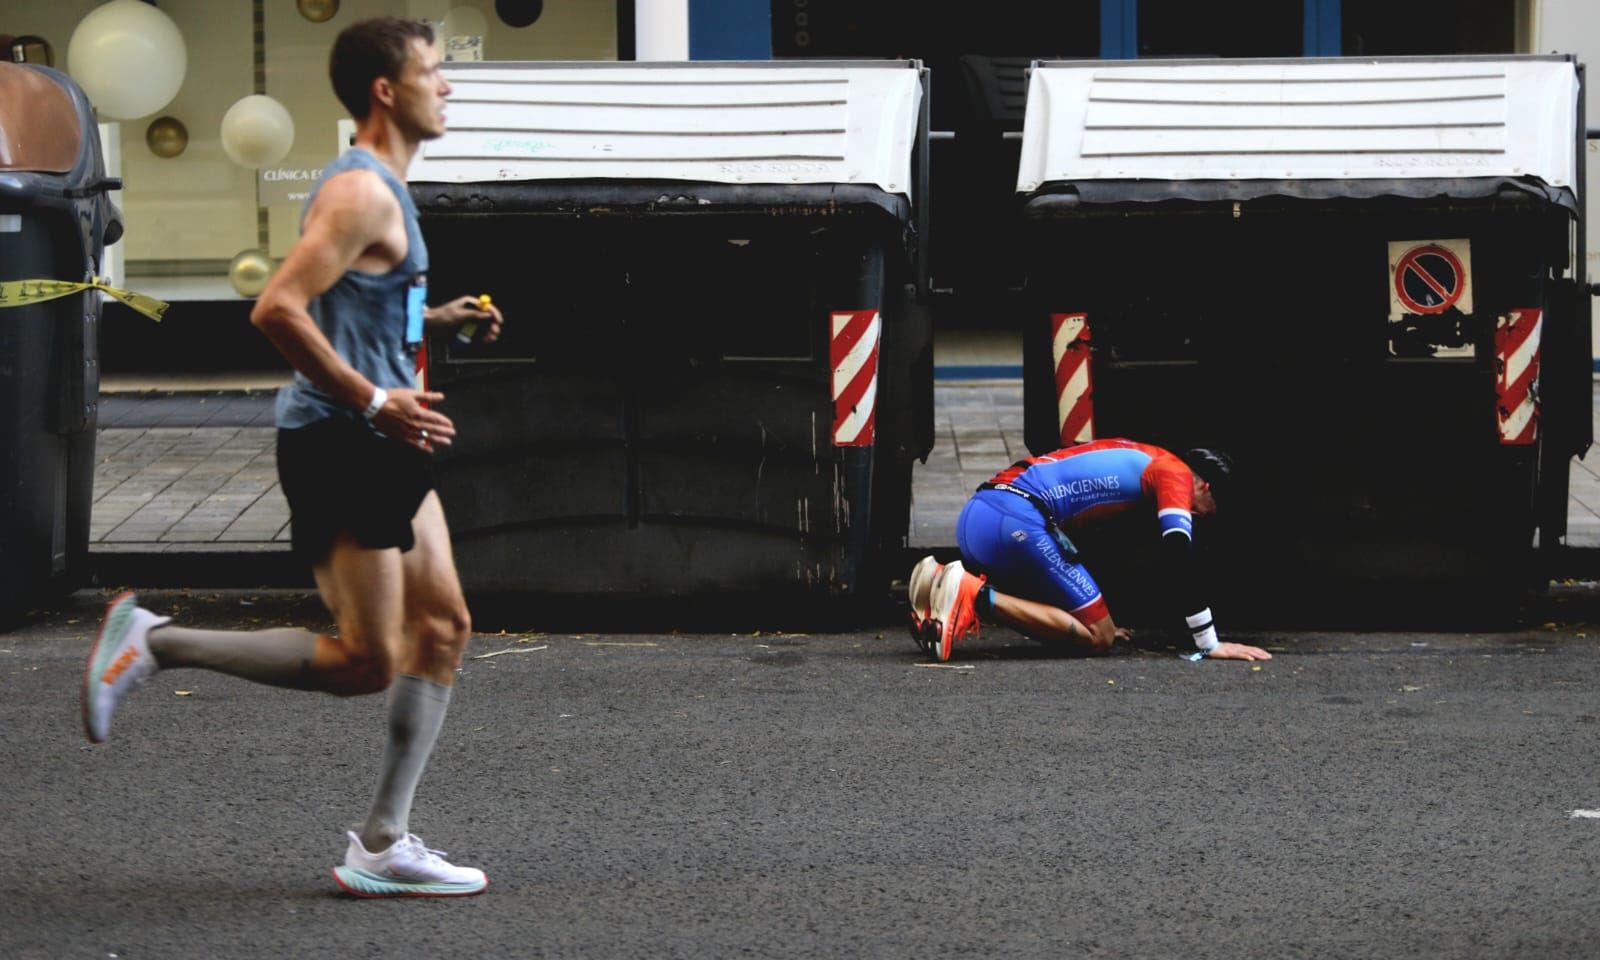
[951, 615]
[118, 662]
[919, 591]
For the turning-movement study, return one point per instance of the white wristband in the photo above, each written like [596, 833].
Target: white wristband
[1203, 630]
[380, 397]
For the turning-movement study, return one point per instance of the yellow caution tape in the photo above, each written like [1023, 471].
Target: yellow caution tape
[17, 293]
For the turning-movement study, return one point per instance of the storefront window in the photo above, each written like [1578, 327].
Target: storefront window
[190, 208]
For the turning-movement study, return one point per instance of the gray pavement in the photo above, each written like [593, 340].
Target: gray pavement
[194, 472]
[1371, 795]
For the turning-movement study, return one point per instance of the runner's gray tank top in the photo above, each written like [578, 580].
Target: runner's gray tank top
[373, 320]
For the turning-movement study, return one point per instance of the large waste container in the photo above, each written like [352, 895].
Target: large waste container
[55, 219]
[716, 369]
[1362, 278]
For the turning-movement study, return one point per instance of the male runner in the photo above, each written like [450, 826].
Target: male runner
[1015, 532]
[347, 309]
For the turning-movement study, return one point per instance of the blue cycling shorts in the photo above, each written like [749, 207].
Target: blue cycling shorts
[1004, 537]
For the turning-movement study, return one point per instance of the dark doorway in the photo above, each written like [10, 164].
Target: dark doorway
[977, 56]
[938, 36]
[1235, 28]
[1388, 28]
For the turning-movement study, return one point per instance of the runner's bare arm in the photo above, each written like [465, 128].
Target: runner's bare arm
[350, 225]
[352, 215]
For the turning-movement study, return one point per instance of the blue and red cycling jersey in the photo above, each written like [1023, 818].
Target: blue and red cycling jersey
[1078, 484]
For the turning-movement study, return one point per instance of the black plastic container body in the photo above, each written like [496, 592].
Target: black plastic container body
[53, 226]
[658, 420]
[1371, 470]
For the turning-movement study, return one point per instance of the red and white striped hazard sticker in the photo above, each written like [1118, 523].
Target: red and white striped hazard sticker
[853, 352]
[1069, 347]
[1516, 382]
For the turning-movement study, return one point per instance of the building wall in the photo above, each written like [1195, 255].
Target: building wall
[297, 67]
[200, 205]
[194, 212]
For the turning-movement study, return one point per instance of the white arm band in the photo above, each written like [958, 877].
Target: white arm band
[380, 397]
[1203, 630]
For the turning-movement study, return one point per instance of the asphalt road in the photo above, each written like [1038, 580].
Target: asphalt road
[828, 795]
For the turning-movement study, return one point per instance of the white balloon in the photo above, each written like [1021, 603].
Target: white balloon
[129, 58]
[257, 131]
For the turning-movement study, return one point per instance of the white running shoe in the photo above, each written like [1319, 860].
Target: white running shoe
[406, 869]
[119, 661]
[919, 592]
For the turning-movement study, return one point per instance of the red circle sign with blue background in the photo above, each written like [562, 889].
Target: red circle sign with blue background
[1429, 279]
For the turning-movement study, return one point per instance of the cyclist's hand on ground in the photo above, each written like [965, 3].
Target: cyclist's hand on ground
[1238, 651]
[1122, 634]
[404, 418]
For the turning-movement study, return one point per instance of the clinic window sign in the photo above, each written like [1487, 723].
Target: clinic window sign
[286, 185]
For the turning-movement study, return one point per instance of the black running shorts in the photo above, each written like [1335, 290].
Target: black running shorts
[341, 476]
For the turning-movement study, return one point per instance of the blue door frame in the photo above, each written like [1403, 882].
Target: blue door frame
[1324, 36]
[1119, 28]
[730, 29]
[742, 29]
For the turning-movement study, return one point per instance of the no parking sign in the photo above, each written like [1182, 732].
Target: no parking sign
[1429, 276]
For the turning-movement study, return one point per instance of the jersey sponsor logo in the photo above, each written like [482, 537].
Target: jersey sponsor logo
[1072, 573]
[1094, 488]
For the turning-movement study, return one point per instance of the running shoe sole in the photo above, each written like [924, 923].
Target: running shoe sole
[362, 883]
[940, 639]
[921, 581]
[952, 615]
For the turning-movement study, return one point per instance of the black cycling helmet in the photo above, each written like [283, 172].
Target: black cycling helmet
[1212, 466]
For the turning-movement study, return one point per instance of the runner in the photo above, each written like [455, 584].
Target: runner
[347, 309]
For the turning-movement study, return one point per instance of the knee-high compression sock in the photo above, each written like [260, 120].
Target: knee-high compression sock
[416, 712]
[281, 657]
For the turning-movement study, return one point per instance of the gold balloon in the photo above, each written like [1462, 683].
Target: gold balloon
[317, 11]
[249, 272]
[166, 137]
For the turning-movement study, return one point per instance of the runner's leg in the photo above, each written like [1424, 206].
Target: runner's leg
[1033, 587]
[436, 630]
[1050, 623]
[360, 587]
